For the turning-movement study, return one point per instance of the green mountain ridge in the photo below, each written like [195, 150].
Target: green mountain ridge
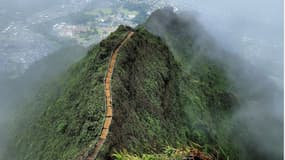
[158, 100]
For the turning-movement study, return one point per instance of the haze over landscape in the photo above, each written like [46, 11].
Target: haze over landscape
[253, 30]
[40, 39]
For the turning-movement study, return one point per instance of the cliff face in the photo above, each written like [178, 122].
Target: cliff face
[156, 103]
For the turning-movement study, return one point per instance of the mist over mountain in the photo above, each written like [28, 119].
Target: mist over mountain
[260, 96]
[32, 52]
[255, 36]
[202, 77]
[66, 116]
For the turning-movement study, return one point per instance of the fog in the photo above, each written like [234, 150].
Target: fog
[11, 10]
[28, 6]
[20, 47]
[253, 31]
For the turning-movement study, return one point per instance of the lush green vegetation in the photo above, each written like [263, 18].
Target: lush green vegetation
[169, 153]
[159, 99]
[66, 117]
[145, 92]
[17, 90]
[208, 96]
[157, 103]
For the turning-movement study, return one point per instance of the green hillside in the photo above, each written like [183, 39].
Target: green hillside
[159, 101]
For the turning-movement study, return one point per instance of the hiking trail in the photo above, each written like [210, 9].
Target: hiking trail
[108, 98]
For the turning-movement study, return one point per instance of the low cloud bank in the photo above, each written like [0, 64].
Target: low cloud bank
[253, 31]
